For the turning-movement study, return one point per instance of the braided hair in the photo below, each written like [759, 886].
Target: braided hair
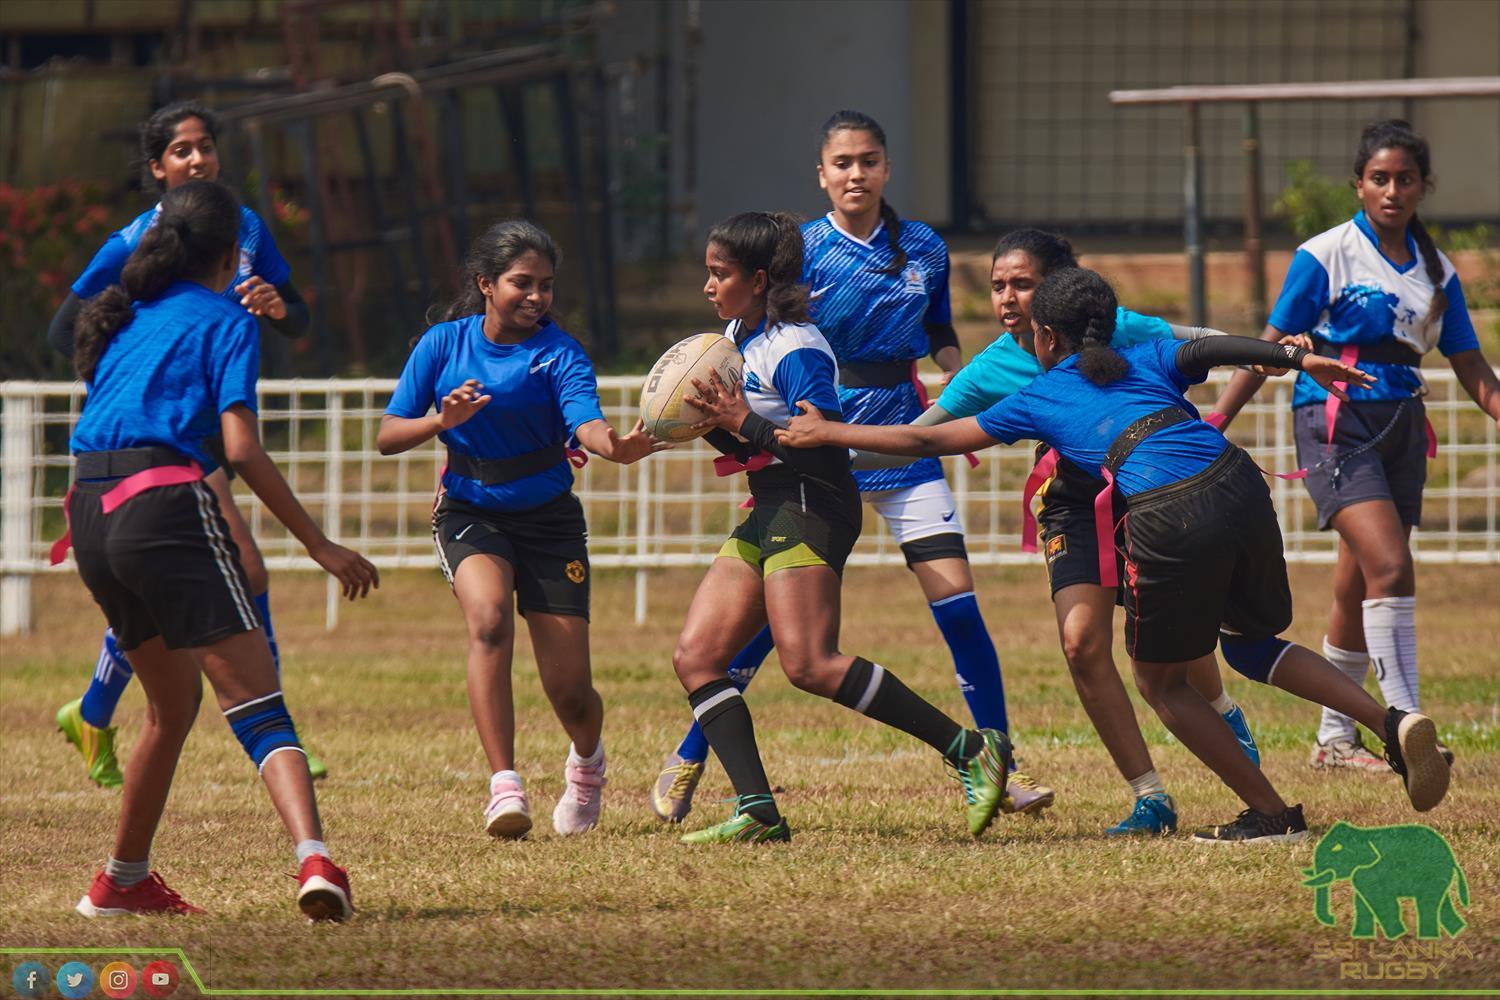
[858, 121]
[1049, 250]
[1079, 306]
[1394, 133]
[198, 225]
[491, 255]
[769, 242]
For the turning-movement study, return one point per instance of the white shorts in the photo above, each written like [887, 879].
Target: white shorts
[917, 512]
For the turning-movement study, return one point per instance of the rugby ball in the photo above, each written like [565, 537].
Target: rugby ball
[665, 414]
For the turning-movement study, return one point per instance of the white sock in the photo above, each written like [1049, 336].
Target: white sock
[1391, 636]
[1353, 665]
[1147, 784]
[592, 760]
[503, 775]
[1224, 704]
[127, 873]
[307, 848]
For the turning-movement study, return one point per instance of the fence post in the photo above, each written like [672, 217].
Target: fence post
[642, 528]
[333, 492]
[15, 497]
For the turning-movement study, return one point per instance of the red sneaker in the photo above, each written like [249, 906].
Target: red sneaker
[106, 899]
[323, 892]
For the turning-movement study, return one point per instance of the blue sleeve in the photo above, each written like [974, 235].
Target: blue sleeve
[1304, 295]
[104, 270]
[992, 375]
[416, 391]
[234, 363]
[939, 309]
[808, 373]
[1009, 420]
[576, 389]
[269, 265]
[1164, 356]
[1458, 328]
[1133, 328]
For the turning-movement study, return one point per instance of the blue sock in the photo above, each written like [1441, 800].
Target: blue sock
[111, 677]
[263, 605]
[974, 659]
[741, 669]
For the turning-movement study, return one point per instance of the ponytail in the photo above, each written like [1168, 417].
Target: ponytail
[770, 242]
[892, 238]
[198, 225]
[1434, 267]
[1080, 308]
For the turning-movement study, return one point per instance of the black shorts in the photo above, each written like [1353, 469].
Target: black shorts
[163, 564]
[796, 521]
[1201, 555]
[1066, 518]
[1379, 453]
[546, 546]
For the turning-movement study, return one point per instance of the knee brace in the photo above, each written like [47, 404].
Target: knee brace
[1255, 658]
[263, 728]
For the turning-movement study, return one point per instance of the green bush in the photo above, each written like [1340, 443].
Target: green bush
[1310, 202]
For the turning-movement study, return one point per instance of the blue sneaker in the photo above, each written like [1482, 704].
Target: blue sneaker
[1153, 815]
[1241, 730]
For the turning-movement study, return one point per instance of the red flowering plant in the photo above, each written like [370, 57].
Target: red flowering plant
[47, 235]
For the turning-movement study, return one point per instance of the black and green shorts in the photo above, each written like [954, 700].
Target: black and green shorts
[796, 521]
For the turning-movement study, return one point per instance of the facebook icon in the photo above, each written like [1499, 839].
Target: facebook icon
[30, 979]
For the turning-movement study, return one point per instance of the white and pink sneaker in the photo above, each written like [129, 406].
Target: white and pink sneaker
[578, 808]
[508, 816]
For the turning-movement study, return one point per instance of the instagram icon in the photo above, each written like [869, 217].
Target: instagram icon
[118, 980]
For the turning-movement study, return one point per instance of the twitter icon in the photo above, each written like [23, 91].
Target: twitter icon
[75, 980]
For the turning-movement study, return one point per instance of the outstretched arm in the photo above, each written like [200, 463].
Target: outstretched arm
[602, 439]
[811, 430]
[1195, 358]
[931, 417]
[1478, 379]
[1244, 384]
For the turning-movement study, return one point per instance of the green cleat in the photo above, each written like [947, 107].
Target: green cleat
[742, 828]
[315, 766]
[96, 745]
[983, 778]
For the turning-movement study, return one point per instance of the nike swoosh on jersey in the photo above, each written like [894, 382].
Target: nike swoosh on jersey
[820, 291]
[949, 516]
[544, 364]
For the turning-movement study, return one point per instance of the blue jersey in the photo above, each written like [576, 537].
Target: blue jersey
[184, 358]
[258, 256]
[870, 316]
[1340, 287]
[1005, 367]
[1081, 420]
[542, 390]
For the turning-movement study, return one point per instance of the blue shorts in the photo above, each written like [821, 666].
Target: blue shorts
[1379, 453]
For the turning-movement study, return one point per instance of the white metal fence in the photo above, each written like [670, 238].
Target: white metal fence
[669, 510]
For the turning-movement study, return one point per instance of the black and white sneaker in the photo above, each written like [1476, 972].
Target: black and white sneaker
[1412, 750]
[1251, 827]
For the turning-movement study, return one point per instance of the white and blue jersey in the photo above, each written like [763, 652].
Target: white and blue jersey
[258, 256]
[168, 374]
[1081, 420]
[869, 316]
[783, 365]
[1340, 287]
[1005, 367]
[542, 390]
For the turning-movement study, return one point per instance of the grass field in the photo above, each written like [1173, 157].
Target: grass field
[882, 887]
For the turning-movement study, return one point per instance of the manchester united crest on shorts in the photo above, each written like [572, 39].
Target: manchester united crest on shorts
[576, 571]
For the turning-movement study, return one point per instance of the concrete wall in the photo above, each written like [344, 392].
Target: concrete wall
[1461, 38]
[772, 71]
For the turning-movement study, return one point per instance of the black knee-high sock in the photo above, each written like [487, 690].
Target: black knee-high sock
[875, 691]
[725, 719]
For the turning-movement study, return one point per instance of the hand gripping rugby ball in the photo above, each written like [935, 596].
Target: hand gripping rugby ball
[666, 416]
